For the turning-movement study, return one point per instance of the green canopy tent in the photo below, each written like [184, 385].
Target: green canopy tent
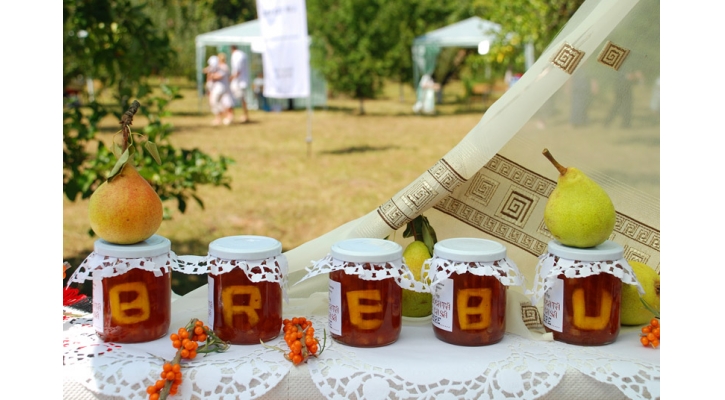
[248, 38]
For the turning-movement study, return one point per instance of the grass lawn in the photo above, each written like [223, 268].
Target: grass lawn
[282, 186]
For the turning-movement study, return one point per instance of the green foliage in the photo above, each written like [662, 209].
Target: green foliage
[421, 230]
[536, 21]
[122, 49]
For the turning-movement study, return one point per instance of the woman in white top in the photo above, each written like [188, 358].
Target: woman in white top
[221, 99]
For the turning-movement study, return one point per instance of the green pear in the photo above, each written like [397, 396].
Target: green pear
[632, 310]
[415, 304]
[125, 209]
[579, 213]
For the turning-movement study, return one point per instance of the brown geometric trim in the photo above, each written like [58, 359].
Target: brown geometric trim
[491, 226]
[625, 225]
[392, 215]
[637, 231]
[444, 174]
[530, 316]
[418, 196]
[567, 58]
[516, 173]
[613, 55]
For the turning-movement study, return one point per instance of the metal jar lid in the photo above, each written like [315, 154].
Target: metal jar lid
[366, 250]
[245, 247]
[606, 251]
[154, 246]
[469, 250]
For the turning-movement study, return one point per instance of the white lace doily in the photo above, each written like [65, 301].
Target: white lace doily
[126, 370]
[505, 270]
[99, 266]
[397, 270]
[419, 366]
[273, 269]
[550, 266]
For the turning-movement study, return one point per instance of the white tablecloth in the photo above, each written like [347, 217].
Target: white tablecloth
[416, 366]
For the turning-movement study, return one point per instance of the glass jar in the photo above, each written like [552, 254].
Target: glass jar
[365, 296]
[470, 277]
[582, 302]
[246, 288]
[131, 290]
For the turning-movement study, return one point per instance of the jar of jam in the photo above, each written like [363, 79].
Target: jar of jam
[131, 289]
[469, 280]
[246, 279]
[582, 290]
[365, 292]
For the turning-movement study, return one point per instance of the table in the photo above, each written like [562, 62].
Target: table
[417, 366]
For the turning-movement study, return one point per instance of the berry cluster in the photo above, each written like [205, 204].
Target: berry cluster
[186, 341]
[651, 334]
[300, 337]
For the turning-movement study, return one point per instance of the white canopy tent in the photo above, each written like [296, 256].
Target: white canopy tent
[469, 33]
[248, 38]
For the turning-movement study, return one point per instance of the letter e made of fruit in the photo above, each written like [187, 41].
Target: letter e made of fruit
[125, 209]
[579, 213]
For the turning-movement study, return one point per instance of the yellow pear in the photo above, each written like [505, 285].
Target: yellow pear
[125, 209]
[579, 213]
[416, 304]
[632, 311]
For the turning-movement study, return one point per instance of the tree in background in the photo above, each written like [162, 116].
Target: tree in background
[407, 20]
[535, 21]
[116, 43]
[349, 45]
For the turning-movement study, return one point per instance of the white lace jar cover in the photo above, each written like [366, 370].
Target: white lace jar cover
[108, 260]
[478, 256]
[118, 270]
[259, 257]
[370, 268]
[580, 263]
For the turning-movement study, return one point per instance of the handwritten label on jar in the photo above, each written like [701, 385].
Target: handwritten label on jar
[210, 299]
[335, 308]
[98, 305]
[554, 306]
[443, 305]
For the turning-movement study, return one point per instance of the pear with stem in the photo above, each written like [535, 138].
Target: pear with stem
[579, 212]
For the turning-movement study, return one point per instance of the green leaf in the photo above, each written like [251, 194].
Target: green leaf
[151, 148]
[119, 164]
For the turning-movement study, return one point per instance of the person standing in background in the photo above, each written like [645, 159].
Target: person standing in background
[258, 88]
[221, 95]
[239, 78]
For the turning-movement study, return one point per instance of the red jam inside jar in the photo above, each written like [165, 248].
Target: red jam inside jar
[136, 306]
[478, 311]
[590, 310]
[371, 312]
[245, 312]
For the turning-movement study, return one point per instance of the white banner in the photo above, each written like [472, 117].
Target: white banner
[286, 57]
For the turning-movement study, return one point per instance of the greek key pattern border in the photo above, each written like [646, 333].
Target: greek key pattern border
[392, 215]
[518, 175]
[613, 55]
[511, 171]
[445, 175]
[492, 226]
[567, 58]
